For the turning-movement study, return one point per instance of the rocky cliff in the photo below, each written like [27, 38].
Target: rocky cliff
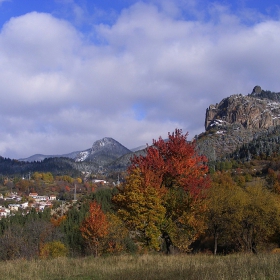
[238, 120]
[249, 111]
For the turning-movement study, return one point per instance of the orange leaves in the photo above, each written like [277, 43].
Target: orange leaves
[95, 227]
[57, 221]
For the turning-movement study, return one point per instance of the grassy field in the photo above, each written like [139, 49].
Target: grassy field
[147, 267]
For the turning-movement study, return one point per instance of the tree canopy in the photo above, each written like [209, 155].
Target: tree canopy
[163, 193]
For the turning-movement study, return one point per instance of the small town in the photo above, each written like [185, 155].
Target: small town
[38, 202]
[65, 191]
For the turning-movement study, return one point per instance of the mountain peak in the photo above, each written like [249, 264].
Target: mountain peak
[105, 141]
[103, 151]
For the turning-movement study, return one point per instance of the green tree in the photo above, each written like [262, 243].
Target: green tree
[70, 226]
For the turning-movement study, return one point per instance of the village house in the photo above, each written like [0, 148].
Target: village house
[96, 181]
[13, 196]
[43, 204]
[14, 207]
[24, 205]
[39, 198]
[4, 212]
[52, 197]
[33, 195]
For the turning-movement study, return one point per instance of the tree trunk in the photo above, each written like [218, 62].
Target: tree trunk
[215, 242]
[168, 243]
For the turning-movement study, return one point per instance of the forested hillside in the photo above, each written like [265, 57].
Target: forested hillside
[267, 94]
[57, 166]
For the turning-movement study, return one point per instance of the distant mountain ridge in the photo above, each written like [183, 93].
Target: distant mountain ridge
[40, 157]
[107, 148]
[100, 158]
[233, 127]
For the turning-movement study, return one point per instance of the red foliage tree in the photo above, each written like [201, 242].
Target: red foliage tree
[173, 163]
[95, 228]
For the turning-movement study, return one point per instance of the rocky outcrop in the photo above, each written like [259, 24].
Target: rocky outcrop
[238, 120]
[248, 111]
[216, 145]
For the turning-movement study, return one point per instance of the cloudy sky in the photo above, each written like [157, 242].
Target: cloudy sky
[75, 71]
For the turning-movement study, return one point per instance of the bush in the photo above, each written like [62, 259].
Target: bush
[53, 249]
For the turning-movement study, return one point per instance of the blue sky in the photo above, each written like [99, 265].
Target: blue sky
[75, 71]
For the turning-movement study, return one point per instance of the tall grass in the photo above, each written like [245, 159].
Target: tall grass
[147, 267]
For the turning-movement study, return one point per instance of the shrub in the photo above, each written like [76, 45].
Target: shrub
[53, 249]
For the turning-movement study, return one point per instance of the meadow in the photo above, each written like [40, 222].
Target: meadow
[147, 266]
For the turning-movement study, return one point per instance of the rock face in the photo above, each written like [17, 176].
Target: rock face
[217, 145]
[238, 120]
[249, 111]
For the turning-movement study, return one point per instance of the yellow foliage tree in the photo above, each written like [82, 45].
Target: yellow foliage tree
[260, 217]
[141, 209]
[53, 249]
[225, 201]
[241, 217]
[117, 233]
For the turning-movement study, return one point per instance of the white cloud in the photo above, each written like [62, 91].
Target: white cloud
[150, 72]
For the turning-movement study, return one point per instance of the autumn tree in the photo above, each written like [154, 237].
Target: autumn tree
[47, 177]
[37, 176]
[94, 228]
[163, 192]
[240, 218]
[57, 220]
[141, 209]
[115, 241]
[225, 202]
[23, 185]
[53, 249]
[260, 217]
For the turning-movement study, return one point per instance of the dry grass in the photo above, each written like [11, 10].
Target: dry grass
[147, 267]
